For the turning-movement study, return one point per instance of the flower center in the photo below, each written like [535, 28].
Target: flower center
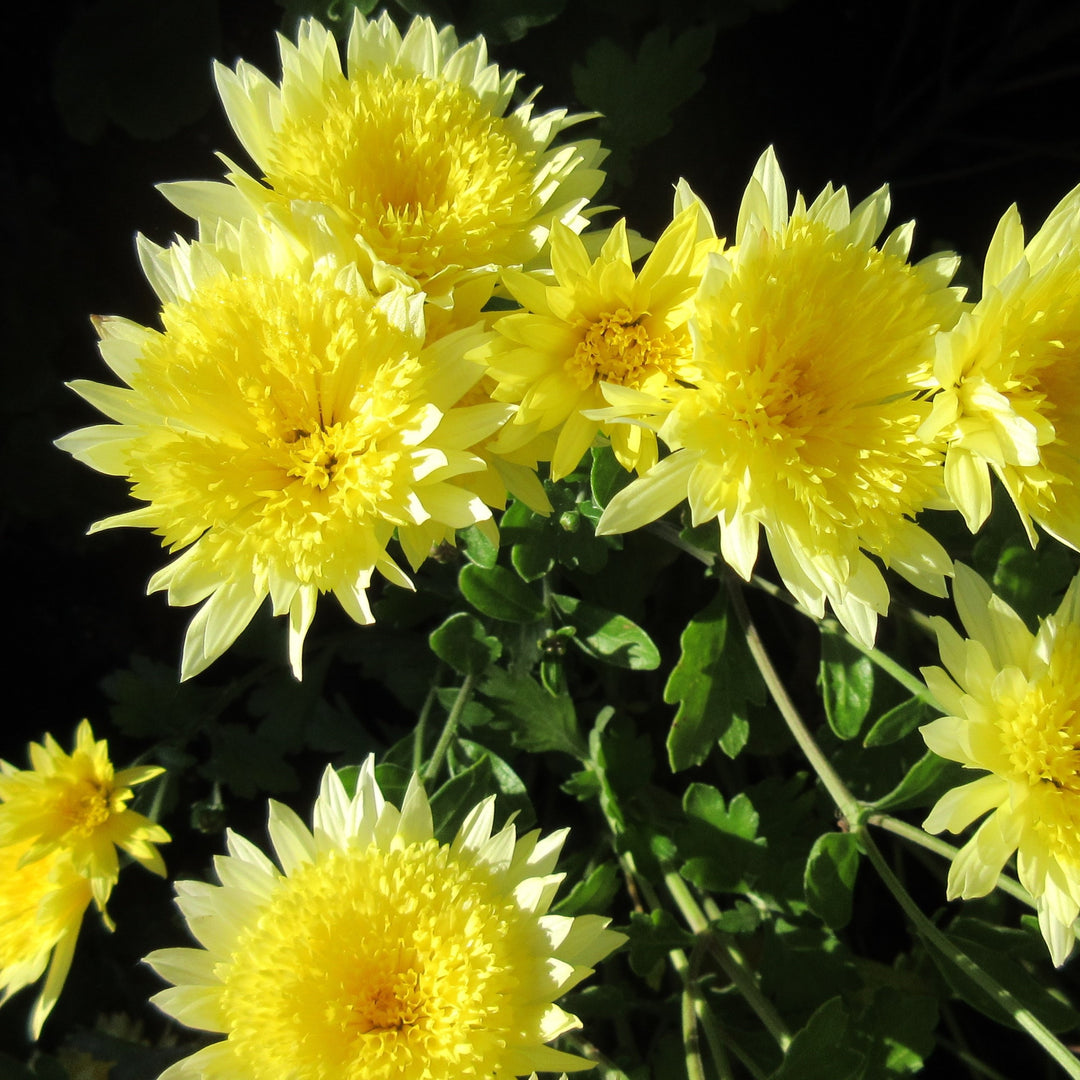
[85, 804]
[420, 167]
[317, 454]
[617, 348]
[378, 965]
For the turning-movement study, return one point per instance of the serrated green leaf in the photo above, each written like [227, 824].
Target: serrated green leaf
[704, 802]
[513, 795]
[847, 683]
[500, 594]
[537, 721]
[462, 643]
[713, 683]
[608, 636]
[829, 878]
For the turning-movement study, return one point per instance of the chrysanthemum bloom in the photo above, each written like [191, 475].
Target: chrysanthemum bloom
[282, 427]
[78, 804]
[593, 322]
[1014, 700]
[412, 147]
[42, 903]
[377, 953]
[1011, 377]
[812, 347]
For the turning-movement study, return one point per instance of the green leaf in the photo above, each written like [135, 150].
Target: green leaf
[926, 781]
[1004, 954]
[500, 594]
[830, 877]
[847, 683]
[462, 643]
[712, 683]
[607, 476]
[454, 801]
[478, 546]
[593, 894]
[608, 636]
[533, 546]
[513, 795]
[899, 721]
[818, 1051]
[719, 845]
[537, 721]
[652, 937]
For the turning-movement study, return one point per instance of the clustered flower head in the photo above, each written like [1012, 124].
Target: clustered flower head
[371, 951]
[61, 822]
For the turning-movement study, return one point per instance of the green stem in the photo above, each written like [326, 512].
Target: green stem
[1055, 1049]
[939, 847]
[421, 724]
[695, 1067]
[727, 958]
[446, 736]
[848, 805]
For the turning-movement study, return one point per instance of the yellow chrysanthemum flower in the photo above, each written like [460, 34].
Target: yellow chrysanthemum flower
[78, 804]
[1011, 377]
[42, 903]
[813, 347]
[377, 953]
[1014, 704]
[412, 148]
[593, 322]
[281, 428]
[61, 822]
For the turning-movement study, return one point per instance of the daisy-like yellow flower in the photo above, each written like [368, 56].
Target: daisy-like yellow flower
[1014, 704]
[42, 903]
[595, 323]
[412, 147]
[1010, 373]
[77, 803]
[813, 347]
[281, 428]
[377, 953]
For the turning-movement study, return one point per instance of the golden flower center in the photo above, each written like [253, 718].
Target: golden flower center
[85, 805]
[617, 348]
[419, 167]
[317, 455]
[379, 965]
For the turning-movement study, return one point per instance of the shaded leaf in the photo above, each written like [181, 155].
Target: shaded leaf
[847, 683]
[829, 877]
[608, 636]
[462, 643]
[537, 721]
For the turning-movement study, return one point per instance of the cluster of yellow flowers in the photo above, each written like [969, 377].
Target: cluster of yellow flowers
[61, 822]
[329, 378]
